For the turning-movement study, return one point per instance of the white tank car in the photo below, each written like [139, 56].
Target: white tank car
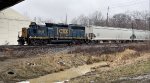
[113, 34]
[142, 34]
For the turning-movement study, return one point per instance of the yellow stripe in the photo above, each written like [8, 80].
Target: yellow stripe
[39, 37]
[56, 37]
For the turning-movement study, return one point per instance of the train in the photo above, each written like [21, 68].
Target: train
[51, 33]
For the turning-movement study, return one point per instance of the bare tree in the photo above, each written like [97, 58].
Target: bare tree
[41, 20]
[97, 19]
[81, 20]
[121, 20]
[74, 21]
[140, 19]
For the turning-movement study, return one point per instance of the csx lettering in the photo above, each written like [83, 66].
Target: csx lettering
[63, 31]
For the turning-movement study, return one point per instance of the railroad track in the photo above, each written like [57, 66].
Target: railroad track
[64, 45]
[27, 51]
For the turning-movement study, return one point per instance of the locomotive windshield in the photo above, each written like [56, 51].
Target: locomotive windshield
[41, 29]
[37, 30]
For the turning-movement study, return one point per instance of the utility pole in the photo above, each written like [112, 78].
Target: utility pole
[88, 22]
[35, 19]
[149, 15]
[66, 22]
[107, 17]
[148, 42]
[149, 23]
[133, 34]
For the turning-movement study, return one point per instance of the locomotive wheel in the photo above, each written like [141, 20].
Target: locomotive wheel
[38, 42]
[74, 43]
[33, 42]
[43, 42]
[21, 42]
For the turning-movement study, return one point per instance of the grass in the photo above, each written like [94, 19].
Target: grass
[31, 67]
[132, 70]
[128, 71]
[28, 68]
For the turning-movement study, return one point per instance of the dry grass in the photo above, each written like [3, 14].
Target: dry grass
[130, 62]
[139, 66]
[127, 54]
[111, 54]
[97, 51]
[28, 68]
[41, 61]
[25, 52]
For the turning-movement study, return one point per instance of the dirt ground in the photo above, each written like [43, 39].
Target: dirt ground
[20, 64]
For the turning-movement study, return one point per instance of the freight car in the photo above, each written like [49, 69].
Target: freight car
[52, 34]
[74, 34]
[118, 35]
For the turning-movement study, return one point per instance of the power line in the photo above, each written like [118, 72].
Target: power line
[129, 4]
[127, 7]
[126, 2]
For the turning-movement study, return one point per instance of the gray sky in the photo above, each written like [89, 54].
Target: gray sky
[57, 9]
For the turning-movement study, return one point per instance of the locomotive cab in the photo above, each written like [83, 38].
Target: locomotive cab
[38, 34]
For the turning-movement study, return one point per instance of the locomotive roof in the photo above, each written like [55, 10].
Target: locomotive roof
[74, 26]
[57, 25]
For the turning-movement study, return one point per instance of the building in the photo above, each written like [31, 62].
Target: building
[11, 22]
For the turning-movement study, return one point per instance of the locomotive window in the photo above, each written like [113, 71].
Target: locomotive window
[50, 27]
[41, 31]
[34, 31]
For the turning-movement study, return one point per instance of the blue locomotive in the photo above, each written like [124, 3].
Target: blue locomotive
[51, 33]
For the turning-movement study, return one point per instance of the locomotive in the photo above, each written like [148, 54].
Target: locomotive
[51, 33]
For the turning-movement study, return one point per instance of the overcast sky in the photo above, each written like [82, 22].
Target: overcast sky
[57, 9]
